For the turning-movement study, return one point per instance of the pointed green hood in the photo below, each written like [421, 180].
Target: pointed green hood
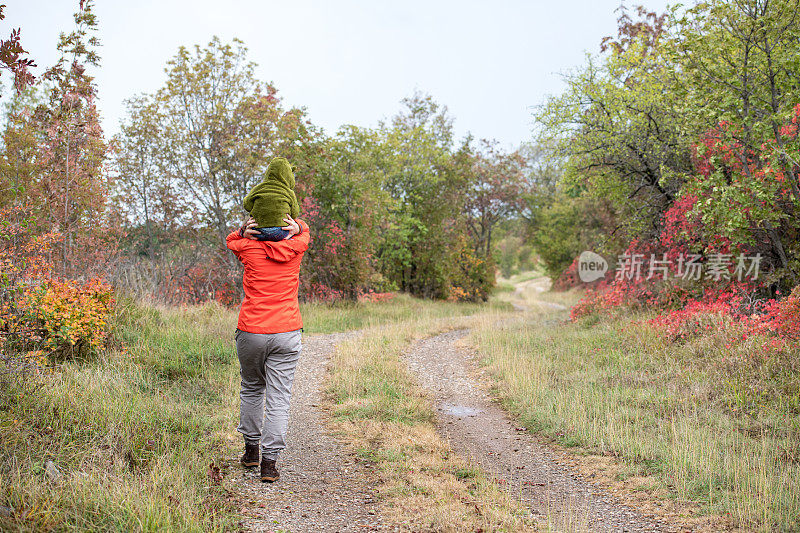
[274, 198]
[279, 169]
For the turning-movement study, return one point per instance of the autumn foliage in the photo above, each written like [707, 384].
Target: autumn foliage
[71, 316]
[698, 172]
[699, 224]
[55, 242]
[42, 315]
[12, 58]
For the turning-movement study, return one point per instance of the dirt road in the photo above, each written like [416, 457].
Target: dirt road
[479, 430]
[322, 487]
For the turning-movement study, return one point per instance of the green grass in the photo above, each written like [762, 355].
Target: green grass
[331, 318]
[528, 275]
[712, 420]
[503, 285]
[132, 431]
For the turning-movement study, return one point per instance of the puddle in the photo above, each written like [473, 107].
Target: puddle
[460, 410]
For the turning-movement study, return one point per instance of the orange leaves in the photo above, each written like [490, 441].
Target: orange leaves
[72, 315]
[372, 296]
[41, 315]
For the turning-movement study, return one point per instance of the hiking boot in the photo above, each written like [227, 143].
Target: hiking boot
[269, 473]
[250, 457]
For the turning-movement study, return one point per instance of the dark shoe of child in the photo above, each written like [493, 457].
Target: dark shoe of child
[250, 457]
[269, 473]
[271, 234]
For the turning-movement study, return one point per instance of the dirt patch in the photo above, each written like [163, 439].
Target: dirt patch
[524, 296]
[533, 473]
[322, 486]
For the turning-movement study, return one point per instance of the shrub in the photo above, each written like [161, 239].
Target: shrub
[787, 317]
[70, 316]
[338, 265]
[372, 296]
[473, 276]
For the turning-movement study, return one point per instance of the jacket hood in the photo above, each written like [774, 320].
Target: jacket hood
[279, 169]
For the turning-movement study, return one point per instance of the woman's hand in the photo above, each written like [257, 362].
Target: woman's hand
[248, 229]
[291, 226]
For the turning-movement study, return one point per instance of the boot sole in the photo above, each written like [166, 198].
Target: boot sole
[270, 479]
[250, 464]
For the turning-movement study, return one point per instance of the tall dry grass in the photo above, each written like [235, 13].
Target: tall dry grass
[131, 432]
[138, 431]
[711, 420]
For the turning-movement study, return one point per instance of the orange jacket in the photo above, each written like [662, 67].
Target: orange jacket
[271, 279]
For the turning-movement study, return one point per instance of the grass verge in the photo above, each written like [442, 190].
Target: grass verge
[135, 434]
[385, 416]
[346, 316]
[710, 421]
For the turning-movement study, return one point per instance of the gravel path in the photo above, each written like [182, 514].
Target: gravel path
[321, 488]
[481, 432]
[538, 285]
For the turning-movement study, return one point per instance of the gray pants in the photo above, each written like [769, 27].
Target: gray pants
[266, 363]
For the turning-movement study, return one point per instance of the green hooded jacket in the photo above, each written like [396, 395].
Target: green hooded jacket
[272, 199]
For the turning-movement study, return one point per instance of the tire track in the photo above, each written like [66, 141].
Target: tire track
[479, 430]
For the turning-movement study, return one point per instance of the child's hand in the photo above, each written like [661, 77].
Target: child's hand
[292, 227]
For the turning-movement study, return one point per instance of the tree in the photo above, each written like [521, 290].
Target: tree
[544, 168]
[689, 125]
[622, 125]
[187, 156]
[741, 62]
[55, 151]
[12, 58]
[222, 127]
[346, 209]
[145, 186]
[426, 216]
[495, 190]
[53, 199]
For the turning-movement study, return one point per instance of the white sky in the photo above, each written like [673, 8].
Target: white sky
[348, 61]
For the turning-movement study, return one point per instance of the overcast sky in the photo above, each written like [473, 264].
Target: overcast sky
[348, 61]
